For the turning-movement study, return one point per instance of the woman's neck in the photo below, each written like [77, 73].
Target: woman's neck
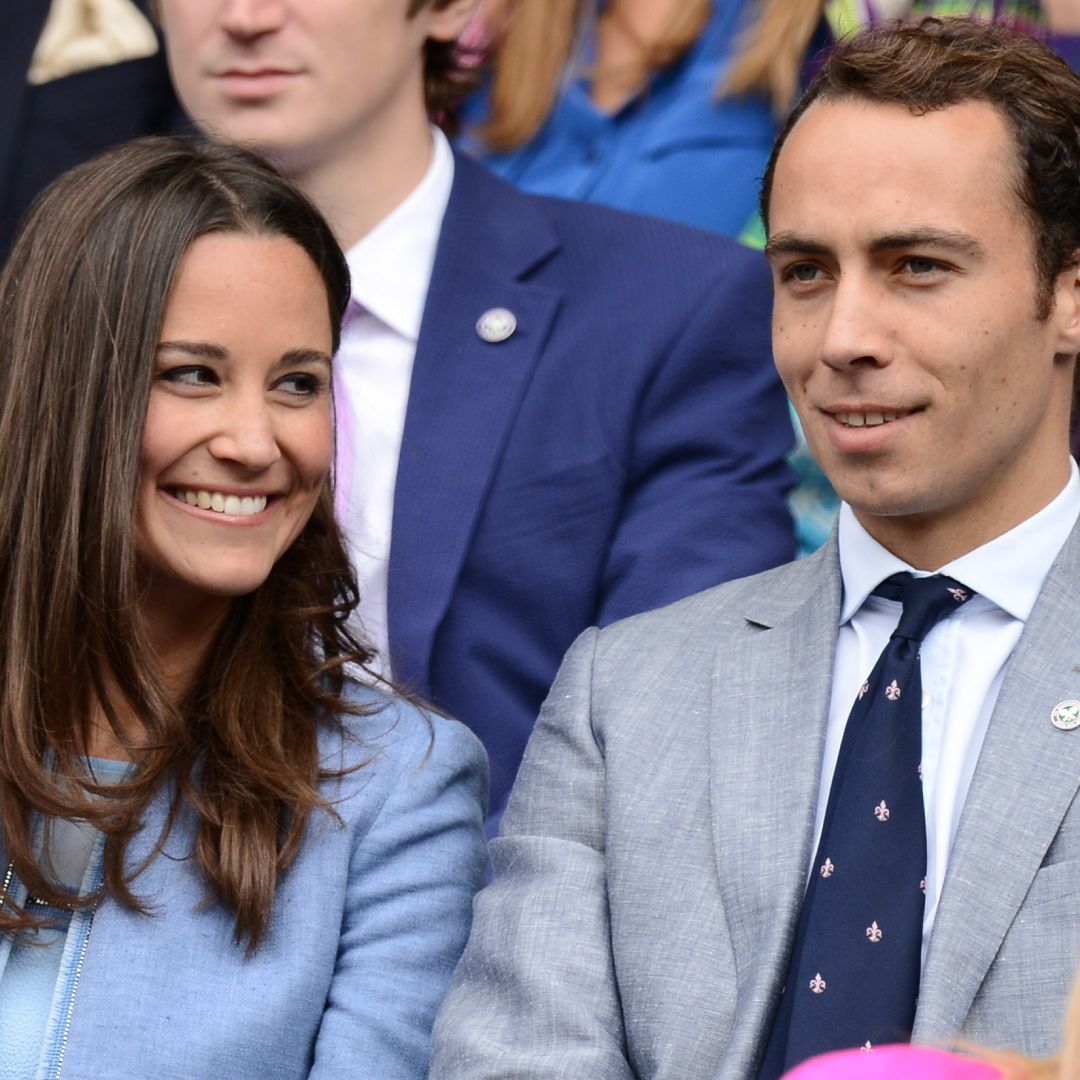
[178, 636]
[626, 35]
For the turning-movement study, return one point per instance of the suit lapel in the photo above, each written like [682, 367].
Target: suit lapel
[22, 28]
[464, 395]
[771, 693]
[1027, 775]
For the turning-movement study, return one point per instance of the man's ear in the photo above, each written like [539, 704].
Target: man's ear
[447, 20]
[1066, 311]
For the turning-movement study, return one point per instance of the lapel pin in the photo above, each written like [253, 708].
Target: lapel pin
[496, 324]
[1065, 715]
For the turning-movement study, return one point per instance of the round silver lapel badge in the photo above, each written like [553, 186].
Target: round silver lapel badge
[496, 325]
[1065, 715]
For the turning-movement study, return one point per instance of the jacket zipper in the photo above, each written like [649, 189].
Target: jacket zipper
[71, 1000]
[70, 1007]
[82, 922]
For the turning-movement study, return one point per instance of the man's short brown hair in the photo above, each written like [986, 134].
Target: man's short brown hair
[943, 62]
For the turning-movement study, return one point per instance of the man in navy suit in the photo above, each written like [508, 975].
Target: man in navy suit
[563, 415]
[55, 115]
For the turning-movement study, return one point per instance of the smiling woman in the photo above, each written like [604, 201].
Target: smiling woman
[277, 863]
[238, 439]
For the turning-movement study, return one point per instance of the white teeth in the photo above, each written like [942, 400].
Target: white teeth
[235, 505]
[870, 419]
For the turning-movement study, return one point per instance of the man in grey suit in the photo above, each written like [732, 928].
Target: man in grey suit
[657, 869]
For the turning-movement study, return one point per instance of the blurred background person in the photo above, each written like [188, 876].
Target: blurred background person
[76, 76]
[218, 855]
[669, 107]
[552, 415]
[618, 103]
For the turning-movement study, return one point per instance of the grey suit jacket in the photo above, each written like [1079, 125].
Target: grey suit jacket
[654, 855]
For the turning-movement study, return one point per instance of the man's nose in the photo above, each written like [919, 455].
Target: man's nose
[856, 329]
[247, 19]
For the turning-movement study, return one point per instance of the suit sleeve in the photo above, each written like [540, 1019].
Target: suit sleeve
[705, 493]
[534, 996]
[412, 879]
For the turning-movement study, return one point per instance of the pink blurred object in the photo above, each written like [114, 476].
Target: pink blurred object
[475, 37]
[893, 1063]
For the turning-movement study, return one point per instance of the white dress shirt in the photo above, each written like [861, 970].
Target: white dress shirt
[391, 269]
[964, 657]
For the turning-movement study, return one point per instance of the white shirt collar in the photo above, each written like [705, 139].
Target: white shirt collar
[1008, 571]
[391, 266]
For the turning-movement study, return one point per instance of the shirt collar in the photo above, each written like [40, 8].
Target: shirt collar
[391, 266]
[1008, 571]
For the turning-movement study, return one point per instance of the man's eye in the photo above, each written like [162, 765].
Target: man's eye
[803, 272]
[189, 375]
[916, 265]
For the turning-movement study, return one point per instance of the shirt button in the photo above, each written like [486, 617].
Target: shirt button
[925, 700]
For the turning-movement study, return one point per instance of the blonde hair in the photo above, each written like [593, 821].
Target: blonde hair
[533, 42]
[770, 52]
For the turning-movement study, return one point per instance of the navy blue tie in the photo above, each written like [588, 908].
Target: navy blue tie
[853, 979]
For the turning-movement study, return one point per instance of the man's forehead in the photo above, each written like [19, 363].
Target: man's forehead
[850, 120]
[896, 171]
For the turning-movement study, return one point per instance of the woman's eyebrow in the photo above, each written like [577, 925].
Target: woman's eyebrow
[202, 350]
[206, 350]
[305, 356]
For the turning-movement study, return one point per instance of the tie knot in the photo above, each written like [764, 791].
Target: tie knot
[926, 600]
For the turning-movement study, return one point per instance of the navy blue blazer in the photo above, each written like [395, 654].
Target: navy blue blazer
[622, 449]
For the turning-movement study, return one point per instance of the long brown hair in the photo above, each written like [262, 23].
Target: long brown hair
[82, 299]
[533, 42]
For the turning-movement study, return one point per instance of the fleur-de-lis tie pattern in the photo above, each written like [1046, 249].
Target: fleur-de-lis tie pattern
[853, 978]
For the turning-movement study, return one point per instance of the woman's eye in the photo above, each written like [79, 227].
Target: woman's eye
[189, 375]
[301, 385]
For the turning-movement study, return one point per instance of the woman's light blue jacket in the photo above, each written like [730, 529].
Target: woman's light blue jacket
[367, 926]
